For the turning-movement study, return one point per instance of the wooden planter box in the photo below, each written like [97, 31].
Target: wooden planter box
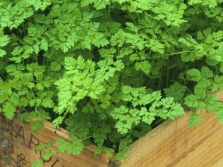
[17, 142]
[172, 144]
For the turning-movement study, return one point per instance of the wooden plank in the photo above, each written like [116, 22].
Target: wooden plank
[17, 142]
[174, 144]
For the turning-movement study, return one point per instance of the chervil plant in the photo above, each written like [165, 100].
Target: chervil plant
[109, 70]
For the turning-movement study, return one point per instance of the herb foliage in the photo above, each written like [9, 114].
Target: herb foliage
[109, 70]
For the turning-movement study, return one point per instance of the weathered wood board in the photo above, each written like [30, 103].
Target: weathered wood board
[174, 144]
[17, 142]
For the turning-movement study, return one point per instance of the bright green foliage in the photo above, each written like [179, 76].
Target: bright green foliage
[109, 71]
[48, 153]
[36, 125]
[194, 120]
[37, 163]
[176, 90]
[4, 40]
[41, 147]
[71, 148]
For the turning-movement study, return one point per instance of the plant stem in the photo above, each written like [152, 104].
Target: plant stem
[160, 80]
[167, 74]
[176, 53]
[141, 79]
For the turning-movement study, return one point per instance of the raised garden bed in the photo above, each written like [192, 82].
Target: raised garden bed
[109, 72]
[171, 144]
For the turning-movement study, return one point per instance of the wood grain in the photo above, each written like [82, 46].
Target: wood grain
[174, 144]
[20, 138]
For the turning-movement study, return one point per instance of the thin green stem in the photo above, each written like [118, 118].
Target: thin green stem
[109, 8]
[86, 138]
[166, 55]
[216, 72]
[189, 91]
[167, 74]
[160, 80]
[141, 79]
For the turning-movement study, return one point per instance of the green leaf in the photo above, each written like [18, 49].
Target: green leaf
[36, 125]
[200, 92]
[55, 66]
[126, 89]
[144, 66]
[39, 86]
[9, 110]
[48, 103]
[193, 75]
[132, 27]
[80, 62]
[44, 44]
[4, 40]
[21, 117]
[59, 120]
[15, 70]
[40, 147]
[109, 151]
[2, 52]
[206, 72]
[75, 147]
[123, 148]
[156, 46]
[118, 39]
[29, 116]
[32, 102]
[70, 63]
[125, 142]
[191, 101]
[188, 40]
[194, 119]
[98, 150]
[176, 90]
[63, 145]
[49, 144]
[49, 154]
[37, 163]
[177, 110]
